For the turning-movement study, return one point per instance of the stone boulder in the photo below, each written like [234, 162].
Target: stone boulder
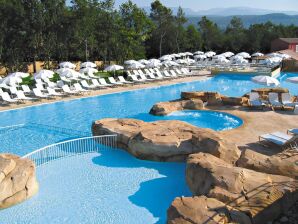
[263, 197]
[164, 108]
[213, 98]
[269, 164]
[17, 180]
[166, 140]
[203, 210]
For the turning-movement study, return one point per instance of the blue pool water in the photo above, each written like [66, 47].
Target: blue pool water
[76, 116]
[110, 187]
[217, 121]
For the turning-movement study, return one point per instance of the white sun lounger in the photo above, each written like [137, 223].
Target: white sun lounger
[21, 96]
[52, 92]
[286, 100]
[114, 82]
[79, 88]
[103, 82]
[122, 79]
[135, 72]
[274, 101]
[13, 90]
[96, 83]
[87, 86]
[40, 87]
[26, 89]
[280, 139]
[293, 131]
[135, 79]
[37, 92]
[255, 100]
[82, 76]
[173, 73]
[6, 98]
[167, 74]
[143, 77]
[67, 90]
[179, 72]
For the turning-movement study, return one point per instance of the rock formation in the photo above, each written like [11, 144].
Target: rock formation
[166, 140]
[269, 164]
[189, 210]
[17, 180]
[261, 196]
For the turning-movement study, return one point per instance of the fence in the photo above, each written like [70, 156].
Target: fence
[71, 148]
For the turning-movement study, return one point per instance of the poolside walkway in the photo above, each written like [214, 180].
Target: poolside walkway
[200, 75]
[257, 123]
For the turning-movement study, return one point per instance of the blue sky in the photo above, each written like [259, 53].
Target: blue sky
[279, 5]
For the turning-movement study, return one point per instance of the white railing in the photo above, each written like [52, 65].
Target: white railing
[71, 148]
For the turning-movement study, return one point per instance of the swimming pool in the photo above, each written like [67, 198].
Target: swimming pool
[215, 120]
[119, 187]
[50, 123]
[106, 187]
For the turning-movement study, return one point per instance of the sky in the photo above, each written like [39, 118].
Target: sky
[278, 5]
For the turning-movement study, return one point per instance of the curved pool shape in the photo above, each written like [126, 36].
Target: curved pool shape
[215, 120]
[107, 187]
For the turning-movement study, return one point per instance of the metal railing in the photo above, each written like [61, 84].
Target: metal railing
[71, 148]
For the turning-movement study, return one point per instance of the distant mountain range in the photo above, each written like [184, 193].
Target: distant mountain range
[229, 11]
[249, 16]
[223, 21]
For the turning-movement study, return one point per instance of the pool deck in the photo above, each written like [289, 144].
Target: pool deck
[200, 75]
[258, 123]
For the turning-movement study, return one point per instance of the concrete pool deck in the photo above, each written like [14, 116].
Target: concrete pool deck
[200, 75]
[258, 123]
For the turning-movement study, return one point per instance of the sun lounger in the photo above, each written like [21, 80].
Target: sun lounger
[67, 90]
[135, 72]
[26, 89]
[173, 73]
[52, 92]
[135, 79]
[114, 82]
[6, 98]
[122, 79]
[103, 82]
[167, 74]
[280, 139]
[87, 86]
[179, 72]
[40, 86]
[293, 131]
[143, 77]
[82, 76]
[274, 101]
[37, 92]
[96, 83]
[79, 88]
[286, 100]
[255, 100]
[13, 90]
[21, 96]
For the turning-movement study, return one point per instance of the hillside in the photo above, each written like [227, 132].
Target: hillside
[223, 21]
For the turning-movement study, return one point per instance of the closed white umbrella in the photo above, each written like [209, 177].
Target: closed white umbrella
[210, 54]
[292, 80]
[153, 64]
[136, 65]
[88, 70]
[14, 78]
[265, 80]
[44, 74]
[257, 54]
[199, 52]
[200, 56]
[88, 64]
[165, 58]
[244, 55]
[68, 73]
[113, 68]
[143, 61]
[67, 64]
[170, 63]
[129, 62]
[154, 60]
[228, 54]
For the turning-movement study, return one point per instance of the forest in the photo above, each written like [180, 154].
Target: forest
[52, 30]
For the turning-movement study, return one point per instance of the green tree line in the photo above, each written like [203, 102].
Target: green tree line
[51, 30]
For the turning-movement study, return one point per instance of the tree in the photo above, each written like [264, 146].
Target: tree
[235, 36]
[193, 39]
[211, 35]
[180, 20]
